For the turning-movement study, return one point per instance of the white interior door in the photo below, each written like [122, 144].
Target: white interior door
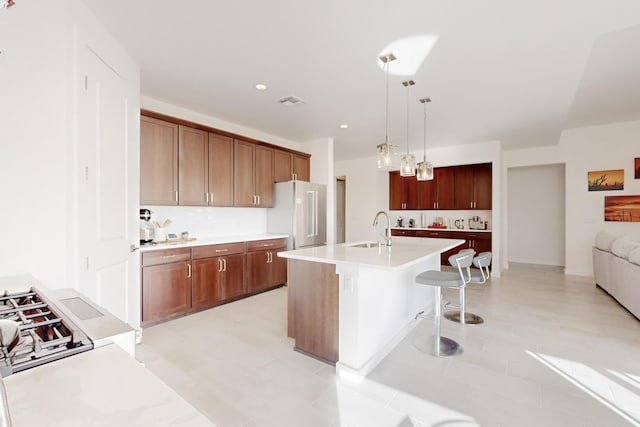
[107, 190]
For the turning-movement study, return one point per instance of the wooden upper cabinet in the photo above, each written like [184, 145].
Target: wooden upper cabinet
[194, 167]
[158, 162]
[220, 170]
[473, 186]
[289, 166]
[301, 168]
[263, 181]
[483, 186]
[445, 182]
[243, 165]
[253, 175]
[283, 166]
[403, 192]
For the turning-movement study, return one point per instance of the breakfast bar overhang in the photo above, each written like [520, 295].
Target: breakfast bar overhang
[352, 303]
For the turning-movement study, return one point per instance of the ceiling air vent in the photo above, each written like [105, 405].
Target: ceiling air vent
[290, 101]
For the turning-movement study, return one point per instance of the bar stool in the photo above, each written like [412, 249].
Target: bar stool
[443, 346]
[462, 316]
[482, 261]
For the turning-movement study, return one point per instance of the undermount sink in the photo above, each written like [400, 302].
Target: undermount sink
[365, 245]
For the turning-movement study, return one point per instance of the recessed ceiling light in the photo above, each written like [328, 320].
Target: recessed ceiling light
[344, 126]
[261, 86]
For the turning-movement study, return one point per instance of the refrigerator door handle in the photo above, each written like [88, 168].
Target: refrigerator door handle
[315, 213]
[311, 213]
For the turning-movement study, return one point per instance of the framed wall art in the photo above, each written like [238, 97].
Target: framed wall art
[622, 208]
[636, 168]
[606, 180]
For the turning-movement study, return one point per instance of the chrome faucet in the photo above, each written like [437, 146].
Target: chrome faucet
[387, 232]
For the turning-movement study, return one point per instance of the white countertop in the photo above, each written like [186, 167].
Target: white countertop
[211, 241]
[101, 387]
[404, 252]
[466, 230]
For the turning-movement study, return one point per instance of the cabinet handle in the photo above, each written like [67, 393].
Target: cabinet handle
[211, 198]
[224, 264]
[176, 197]
[258, 200]
[219, 264]
[188, 270]
[168, 256]
[206, 197]
[221, 250]
[266, 245]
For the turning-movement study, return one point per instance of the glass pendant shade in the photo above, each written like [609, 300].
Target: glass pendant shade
[386, 152]
[424, 171]
[407, 165]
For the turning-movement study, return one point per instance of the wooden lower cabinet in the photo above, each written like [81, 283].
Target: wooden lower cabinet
[206, 287]
[180, 281]
[408, 233]
[478, 241]
[166, 291]
[265, 269]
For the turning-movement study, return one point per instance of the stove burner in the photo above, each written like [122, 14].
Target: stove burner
[44, 335]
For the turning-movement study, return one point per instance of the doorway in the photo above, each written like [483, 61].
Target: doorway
[536, 215]
[341, 198]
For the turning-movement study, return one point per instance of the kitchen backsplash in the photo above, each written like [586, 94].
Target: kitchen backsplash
[430, 216]
[211, 222]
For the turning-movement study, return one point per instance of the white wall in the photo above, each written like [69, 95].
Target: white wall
[612, 146]
[38, 130]
[367, 189]
[536, 203]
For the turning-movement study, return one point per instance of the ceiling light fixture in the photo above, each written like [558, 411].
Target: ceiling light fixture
[424, 169]
[261, 86]
[386, 151]
[344, 126]
[407, 160]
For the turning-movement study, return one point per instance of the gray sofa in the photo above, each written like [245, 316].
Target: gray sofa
[616, 268]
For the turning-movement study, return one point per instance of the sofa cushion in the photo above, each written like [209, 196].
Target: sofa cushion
[604, 240]
[623, 245]
[634, 256]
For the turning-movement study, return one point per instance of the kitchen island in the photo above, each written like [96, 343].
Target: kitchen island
[351, 304]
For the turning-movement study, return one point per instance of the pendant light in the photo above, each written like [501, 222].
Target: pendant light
[424, 169]
[386, 151]
[407, 161]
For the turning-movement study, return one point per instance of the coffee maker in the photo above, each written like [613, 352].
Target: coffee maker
[146, 228]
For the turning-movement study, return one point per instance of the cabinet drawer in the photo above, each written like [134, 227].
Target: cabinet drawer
[436, 234]
[211, 251]
[261, 245]
[409, 233]
[478, 236]
[166, 256]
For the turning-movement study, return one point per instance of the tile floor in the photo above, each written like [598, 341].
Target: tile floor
[553, 351]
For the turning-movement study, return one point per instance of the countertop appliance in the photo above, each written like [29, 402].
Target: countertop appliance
[300, 210]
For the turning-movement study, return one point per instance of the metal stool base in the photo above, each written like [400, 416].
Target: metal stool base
[448, 347]
[469, 318]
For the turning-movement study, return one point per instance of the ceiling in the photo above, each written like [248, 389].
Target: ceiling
[518, 72]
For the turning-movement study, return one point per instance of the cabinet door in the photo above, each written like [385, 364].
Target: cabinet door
[463, 182]
[194, 167]
[220, 170]
[263, 180]
[283, 164]
[278, 274]
[445, 181]
[482, 186]
[206, 287]
[427, 194]
[166, 291]
[302, 168]
[243, 166]
[257, 271]
[158, 162]
[396, 191]
[234, 284]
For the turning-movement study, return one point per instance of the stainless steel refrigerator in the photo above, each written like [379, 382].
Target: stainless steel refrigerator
[300, 211]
